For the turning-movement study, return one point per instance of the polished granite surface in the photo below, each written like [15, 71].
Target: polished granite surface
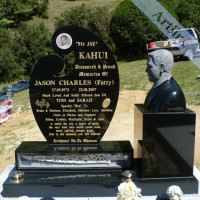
[186, 196]
[166, 143]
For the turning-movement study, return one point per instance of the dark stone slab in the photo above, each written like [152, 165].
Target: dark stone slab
[151, 187]
[88, 184]
[41, 156]
[71, 184]
[75, 108]
[166, 144]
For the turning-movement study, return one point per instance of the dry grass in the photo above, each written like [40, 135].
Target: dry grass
[57, 7]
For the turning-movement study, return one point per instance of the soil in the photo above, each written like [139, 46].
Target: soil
[22, 127]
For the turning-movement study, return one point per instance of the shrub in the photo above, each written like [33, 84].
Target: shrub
[9, 68]
[131, 30]
[34, 43]
[12, 12]
[41, 8]
[188, 13]
[96, 20]
[21, 49]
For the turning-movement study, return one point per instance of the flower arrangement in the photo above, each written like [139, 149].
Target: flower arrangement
[174, 192]
[129, 191]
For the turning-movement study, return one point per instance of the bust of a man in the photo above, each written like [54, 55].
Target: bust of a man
[165, 95]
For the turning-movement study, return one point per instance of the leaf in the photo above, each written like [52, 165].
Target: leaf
[6, 22]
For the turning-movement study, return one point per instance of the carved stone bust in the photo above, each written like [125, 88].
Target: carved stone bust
[165, 95]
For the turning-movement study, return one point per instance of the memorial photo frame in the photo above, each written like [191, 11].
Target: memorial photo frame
[64, 41]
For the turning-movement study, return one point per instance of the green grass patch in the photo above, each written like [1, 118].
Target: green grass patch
[185, 73]
[134, 77]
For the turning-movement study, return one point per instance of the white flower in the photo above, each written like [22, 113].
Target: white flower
[129, 191]
[174, 192]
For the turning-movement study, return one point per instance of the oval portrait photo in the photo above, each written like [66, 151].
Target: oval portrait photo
[64, 41]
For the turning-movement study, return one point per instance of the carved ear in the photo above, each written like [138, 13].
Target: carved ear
[162, 67]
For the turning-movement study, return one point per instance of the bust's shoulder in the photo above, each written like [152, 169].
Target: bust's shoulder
[169, 85]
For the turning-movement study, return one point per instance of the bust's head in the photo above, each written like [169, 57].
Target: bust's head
[166, 95]
[159, 66]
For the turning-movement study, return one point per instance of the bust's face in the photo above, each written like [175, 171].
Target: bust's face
[152, 70]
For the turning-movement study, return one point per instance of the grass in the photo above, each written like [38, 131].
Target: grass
[26, 123]
[2, 148]
[9, 141]
[22, 98]
[57, 7]
[186, 75]
[7, 133]
[134, 77]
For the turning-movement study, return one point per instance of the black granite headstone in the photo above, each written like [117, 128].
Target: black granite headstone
[76, 108]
